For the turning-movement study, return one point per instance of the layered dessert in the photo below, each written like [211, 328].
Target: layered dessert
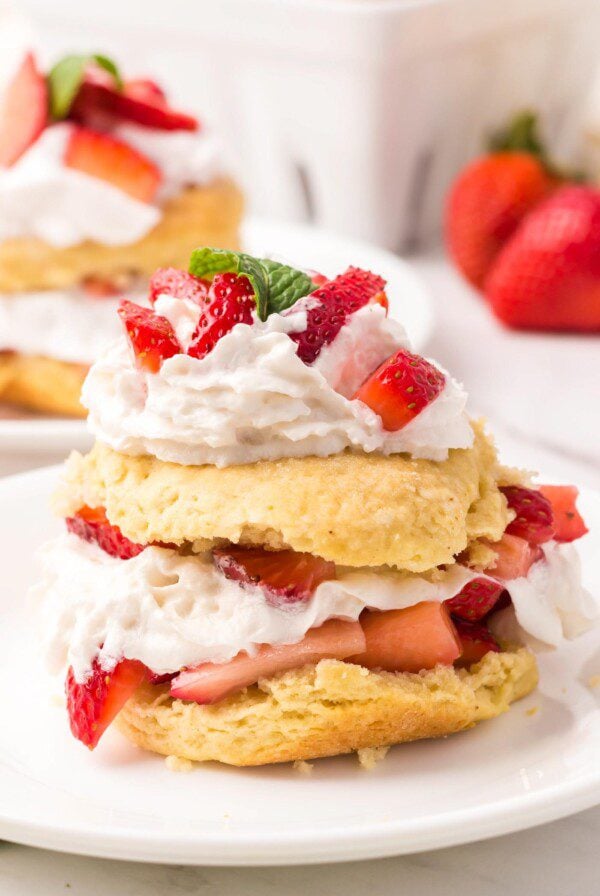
[289, 540]
[101, 179]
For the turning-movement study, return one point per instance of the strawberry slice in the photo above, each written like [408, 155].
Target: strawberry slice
[476, 599]
[515, 556]
[476, 640]
[284, 576]
[152, 337]
[92, 524]
[568, 522]
[533, 521]
[329, 308]
[408, 640]
[24, 111]
[145, 89]
[95, 703]
[230, 302]
[97, 287]
[400, 388]
[211, 682]
[97, 101]
[114, 161]
[179, 284]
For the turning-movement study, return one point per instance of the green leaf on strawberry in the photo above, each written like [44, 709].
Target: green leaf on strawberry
[66, 77]
[276, 286]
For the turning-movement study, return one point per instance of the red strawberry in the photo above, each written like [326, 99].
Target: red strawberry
[330, 306]
[151, 336]
[514, 557]
[92, 524]
[24, 111]
[93, 704]
[101, 103]
[99, 287]
[534, 521]
[112, 160]
[284, 576]
[476, 599]
[400, 388]
[547, 277]
[476, 640]
[230, 302]
[568, 522]
[179, 284]
[145, 89]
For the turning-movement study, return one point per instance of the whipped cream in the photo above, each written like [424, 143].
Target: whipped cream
[41, 197]
[65, 325]
[252, 398]
[169, 610]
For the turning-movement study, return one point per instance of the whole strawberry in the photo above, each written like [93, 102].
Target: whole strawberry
[547, 277]
[493, 194]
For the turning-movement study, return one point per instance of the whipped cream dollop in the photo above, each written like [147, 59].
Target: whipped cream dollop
[252, 398]
[169, 610]
[41, 197]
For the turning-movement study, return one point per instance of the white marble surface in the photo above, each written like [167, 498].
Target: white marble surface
[538, 393]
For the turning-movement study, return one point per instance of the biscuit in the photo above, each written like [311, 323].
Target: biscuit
[327, 709]
[353, 509]
[198, 216]
[42, 384]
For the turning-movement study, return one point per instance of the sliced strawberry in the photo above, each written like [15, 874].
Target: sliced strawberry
[476, 599]
[211, 682]
[476, 640]
[145, 89]
[179, 284]
[400, 388]
[418, 637]
[534, 520]
[230, 301]
[24, 111]
[94, 704]
[101, 102]
[568, 522]
[515, 557]
[329, 308]
[100, 287]
[284, 576]
[152, 337]
[92, 524]
[114, 161]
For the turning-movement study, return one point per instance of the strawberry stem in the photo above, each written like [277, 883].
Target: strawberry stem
[522, 135]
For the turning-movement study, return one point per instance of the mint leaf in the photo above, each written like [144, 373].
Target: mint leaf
[65, 78]
[286, 285]
[276, 286]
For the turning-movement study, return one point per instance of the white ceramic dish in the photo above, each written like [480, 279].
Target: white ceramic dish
[25, 443]
[514, 772]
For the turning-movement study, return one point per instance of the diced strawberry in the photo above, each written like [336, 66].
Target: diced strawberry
[515, 557]
[568, 522]
[284, 576]
[476, 599]
[145, 89]
[211, 682]
[230, 301]
[92, 524]
[152, 337]
[329, 308]
[418, 637]
[400, 388]
[100, 287]
[24, 111]
[476, 640]
[317, 278]
[179, 284]
[153, 678]
[98, 102]
[94, 704]
[114, 161]
[534, 520]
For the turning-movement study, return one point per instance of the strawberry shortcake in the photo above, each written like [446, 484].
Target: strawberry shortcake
[100, 179]
[289, 540]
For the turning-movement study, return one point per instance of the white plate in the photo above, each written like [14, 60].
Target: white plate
[505, 775]
[307, 247]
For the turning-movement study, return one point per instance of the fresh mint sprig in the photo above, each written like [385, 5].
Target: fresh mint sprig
[276, 286]
[65, 79]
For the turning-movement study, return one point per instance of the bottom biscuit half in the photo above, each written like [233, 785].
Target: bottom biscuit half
[326, 710]
[42, 384]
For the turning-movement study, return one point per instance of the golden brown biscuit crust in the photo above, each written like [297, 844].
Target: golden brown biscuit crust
[326, 710]
[208, 215]
[354, 509]
[42, 384]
